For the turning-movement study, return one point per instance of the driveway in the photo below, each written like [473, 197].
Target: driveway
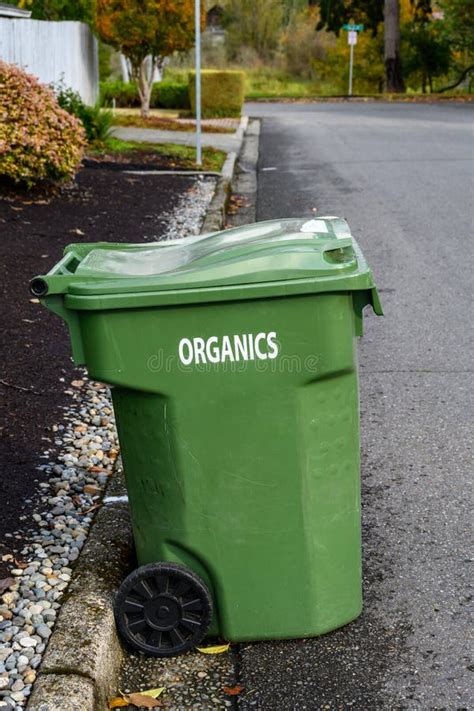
[402, 176]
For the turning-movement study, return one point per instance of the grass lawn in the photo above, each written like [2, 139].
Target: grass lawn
[178, 156]
[273, 84]
[164, 121]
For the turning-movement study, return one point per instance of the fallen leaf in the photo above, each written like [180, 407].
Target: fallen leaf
[117, 702]
[5, 584]
[96, 469]
[154, 693]
[141, 700]
[91, 489]
[20, 564]
[233, 690]
[218, 649]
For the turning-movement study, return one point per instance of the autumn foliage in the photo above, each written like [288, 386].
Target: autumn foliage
[39, 141]
[146, 28]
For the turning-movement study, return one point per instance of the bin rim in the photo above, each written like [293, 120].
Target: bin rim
[269, 259]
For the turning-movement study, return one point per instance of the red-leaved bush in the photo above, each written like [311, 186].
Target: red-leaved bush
[39, 141]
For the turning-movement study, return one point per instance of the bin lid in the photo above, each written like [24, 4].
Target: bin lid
[292, 254]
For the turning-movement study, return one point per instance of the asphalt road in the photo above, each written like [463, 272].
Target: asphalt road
[402, 174]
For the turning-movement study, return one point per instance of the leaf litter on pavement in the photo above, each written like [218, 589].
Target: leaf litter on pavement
[233, 690]
[217, 649]
[141, 699]
[149, 698]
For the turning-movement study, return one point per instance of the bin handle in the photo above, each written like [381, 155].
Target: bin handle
[42, 285]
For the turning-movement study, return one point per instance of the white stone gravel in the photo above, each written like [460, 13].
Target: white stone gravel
[87, 449]
[187, 217]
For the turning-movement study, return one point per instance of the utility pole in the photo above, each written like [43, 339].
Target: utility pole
[197, 22]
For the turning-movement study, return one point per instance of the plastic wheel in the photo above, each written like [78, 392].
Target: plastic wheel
[163, 609]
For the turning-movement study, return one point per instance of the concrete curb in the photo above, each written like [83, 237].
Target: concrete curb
[82, 662]
[245, 179]
[216, 213]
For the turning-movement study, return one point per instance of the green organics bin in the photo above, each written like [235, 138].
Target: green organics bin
[232, 358]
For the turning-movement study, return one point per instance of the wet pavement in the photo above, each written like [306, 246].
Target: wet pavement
[402, 176]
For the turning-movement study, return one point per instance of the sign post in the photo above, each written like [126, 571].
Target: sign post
[197, 24]
[352, 31]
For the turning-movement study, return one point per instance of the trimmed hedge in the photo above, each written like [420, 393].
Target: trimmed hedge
[124, 93]
[164, 95]
[222, 92]
[171, 95]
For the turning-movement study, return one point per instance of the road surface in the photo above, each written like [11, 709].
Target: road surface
[402, 175]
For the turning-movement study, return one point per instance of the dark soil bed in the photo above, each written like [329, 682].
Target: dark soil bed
[143, 160]
[34, 351]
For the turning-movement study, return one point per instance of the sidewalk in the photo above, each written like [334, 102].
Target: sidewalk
[228, 142]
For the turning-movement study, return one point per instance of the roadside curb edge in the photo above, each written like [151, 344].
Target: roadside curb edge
[217, 210]
[81, 665]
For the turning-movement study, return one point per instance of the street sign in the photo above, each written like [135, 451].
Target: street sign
[353, 28]
[352, 37]
[352, 31]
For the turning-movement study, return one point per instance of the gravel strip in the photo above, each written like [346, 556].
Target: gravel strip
[187, 217]
[87, 449]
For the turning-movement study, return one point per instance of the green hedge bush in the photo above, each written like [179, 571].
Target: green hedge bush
[222, 92]
[164, 95]
[39, 141]
[124, 93]
[171, 95]
[97, 122]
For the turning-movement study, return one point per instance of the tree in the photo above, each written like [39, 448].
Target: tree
[254, 24]
[146, 32]
[393, 67]
[81, 10]
[458, 26]
[335, 13]
[427, 54]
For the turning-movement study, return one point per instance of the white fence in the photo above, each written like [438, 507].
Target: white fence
[53, 51]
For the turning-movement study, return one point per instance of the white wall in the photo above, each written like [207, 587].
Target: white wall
[53, 50]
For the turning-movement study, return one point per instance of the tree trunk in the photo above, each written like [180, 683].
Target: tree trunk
[393, 69]
[143, 73]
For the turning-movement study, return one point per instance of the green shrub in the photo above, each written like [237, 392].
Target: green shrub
[97, 123]
[124, 93]
[170, 95]
[39, 141]
[222, 92]
[164, 95]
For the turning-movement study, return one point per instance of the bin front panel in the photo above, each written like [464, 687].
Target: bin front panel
[244, 468]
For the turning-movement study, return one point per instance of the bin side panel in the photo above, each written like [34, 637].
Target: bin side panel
[247, 472]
